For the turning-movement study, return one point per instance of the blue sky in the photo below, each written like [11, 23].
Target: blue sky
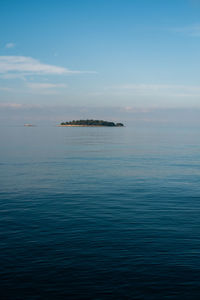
[92, 53]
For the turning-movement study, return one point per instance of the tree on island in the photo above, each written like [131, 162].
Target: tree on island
[92, 123]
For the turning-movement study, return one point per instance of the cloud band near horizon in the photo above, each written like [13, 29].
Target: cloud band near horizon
[28, 66]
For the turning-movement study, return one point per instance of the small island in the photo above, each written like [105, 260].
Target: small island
[90, 123]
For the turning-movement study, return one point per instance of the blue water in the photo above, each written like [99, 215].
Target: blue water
[100, 213]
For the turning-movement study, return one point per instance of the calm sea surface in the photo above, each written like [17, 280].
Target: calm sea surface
[99, 213]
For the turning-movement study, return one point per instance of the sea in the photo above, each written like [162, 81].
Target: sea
[100, 212]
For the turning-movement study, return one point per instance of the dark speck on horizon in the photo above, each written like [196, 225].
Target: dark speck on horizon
[91, 122]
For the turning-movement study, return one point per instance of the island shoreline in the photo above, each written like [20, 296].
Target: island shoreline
[86, 126]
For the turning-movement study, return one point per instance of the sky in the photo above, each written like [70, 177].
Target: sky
[95, 56]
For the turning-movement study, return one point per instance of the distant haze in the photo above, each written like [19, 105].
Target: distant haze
[54, 115]
[122, 60]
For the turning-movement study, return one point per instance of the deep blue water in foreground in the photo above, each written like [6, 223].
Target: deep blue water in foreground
[99, 213]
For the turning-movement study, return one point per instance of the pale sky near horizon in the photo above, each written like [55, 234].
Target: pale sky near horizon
[116, 53]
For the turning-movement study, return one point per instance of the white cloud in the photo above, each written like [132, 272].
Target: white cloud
[13, 76]
[156, 90]
[143, 87]
[152, 87]
[192, 30]
[132, 109]
[158, 87]
[45, 86]
[30, 66]
[10, 105]
[7, 89]
[10, 45]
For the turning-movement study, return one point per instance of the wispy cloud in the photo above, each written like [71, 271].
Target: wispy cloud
[191, 30]
[157, 87]
[133, 109]
[10, 45]
[29, 66]
[13, 76]
[7, 89]
[144, 87]
[155, 90]
[45, 86]
[10, 105]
